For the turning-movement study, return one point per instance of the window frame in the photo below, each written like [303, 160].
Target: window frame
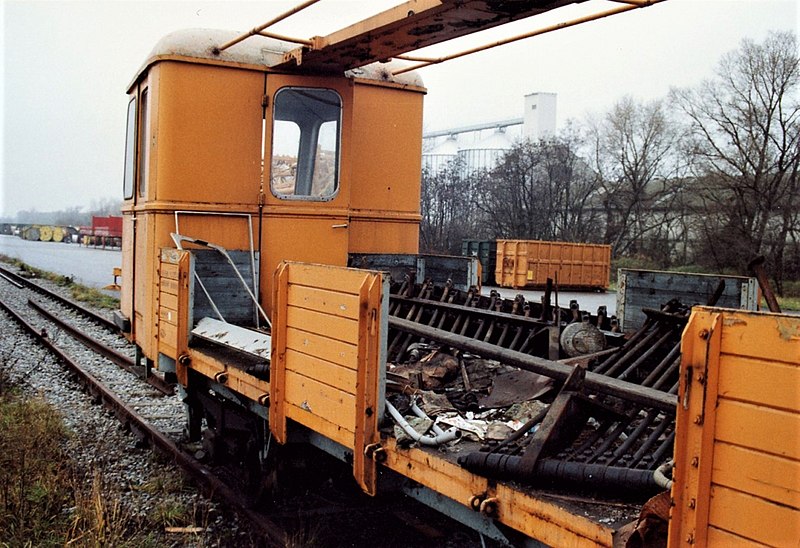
[131, 139]
[311, 136]
[143, 140]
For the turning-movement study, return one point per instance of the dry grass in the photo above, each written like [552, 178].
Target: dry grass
[34, 474]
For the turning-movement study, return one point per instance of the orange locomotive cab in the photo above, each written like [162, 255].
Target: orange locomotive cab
[237, 177]
[266, 165]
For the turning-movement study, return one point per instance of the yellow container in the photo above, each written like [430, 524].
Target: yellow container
[529, 263]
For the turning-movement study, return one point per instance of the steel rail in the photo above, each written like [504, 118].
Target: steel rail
[107, 352]
[469, 310]
[205, 480]
[105, 322]
[258, 30]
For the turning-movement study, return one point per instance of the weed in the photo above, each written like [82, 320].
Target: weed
[93, 297]
[98, 519]
[34, 486]
[163, 482]
[170, 512]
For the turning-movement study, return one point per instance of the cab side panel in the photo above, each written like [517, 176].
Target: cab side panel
[385, 171]
[203, 157]
[209, 135]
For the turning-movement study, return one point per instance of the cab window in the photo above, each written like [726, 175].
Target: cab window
[130, 152]
[144, 145]
[305, 143]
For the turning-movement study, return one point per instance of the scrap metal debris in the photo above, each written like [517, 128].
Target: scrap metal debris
[605, 424]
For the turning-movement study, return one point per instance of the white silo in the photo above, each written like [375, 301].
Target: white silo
[485, 153]
[440, 155]
[540, 116]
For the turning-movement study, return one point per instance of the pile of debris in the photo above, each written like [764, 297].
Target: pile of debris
[598, 422]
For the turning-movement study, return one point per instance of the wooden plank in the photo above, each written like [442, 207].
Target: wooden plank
[170, 255]
[329, 302]
[238, 380]
[168, 332]
[277, 394]
[342, 280]
[167, 300]
[693, 431]
[169, 271]
[536, 518]
[772, 384]
[169, 286]
[762, 475]
[368, 400]
[333, 327]
[760, 428]
[221, 282]
[183, 324]
[753, 518]
[338, 377]
[765, 336]
[167, 315]
[320, 399]
[718, 537]
[218, 284]
[318, 424]
[327, 349]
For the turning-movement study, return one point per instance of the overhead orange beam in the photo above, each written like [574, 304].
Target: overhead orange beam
[629, 5]
[408, 27]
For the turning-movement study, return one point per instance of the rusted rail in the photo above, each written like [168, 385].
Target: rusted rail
[97, 318]
[107, 352]
[607, 385]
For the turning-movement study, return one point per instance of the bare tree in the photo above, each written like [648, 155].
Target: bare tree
[632, 151]
[746, 149]
[447, 208]
[538, 190]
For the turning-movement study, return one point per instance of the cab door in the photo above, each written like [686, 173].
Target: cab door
[305, 185]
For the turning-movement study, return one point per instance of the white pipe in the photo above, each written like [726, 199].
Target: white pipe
[249, 234]
[421, 414]
[224, 253]
[439, 439]
[177, 238]
[660, 475]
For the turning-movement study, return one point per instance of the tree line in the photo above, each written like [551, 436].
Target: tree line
[71, 216]
[706, 177]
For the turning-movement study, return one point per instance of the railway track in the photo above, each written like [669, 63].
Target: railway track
[127, 408]
[108, 333]
[110, 377]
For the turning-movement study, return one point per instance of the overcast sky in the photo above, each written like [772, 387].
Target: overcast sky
[66, 65]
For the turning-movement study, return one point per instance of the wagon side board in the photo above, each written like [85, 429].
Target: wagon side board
[737, 447]
[327, 369]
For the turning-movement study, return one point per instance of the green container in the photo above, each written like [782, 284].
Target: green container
[486, 252]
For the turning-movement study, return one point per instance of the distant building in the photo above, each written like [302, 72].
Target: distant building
[480, 146]
[539, 120]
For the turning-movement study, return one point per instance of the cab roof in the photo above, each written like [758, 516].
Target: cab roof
[258, 52]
